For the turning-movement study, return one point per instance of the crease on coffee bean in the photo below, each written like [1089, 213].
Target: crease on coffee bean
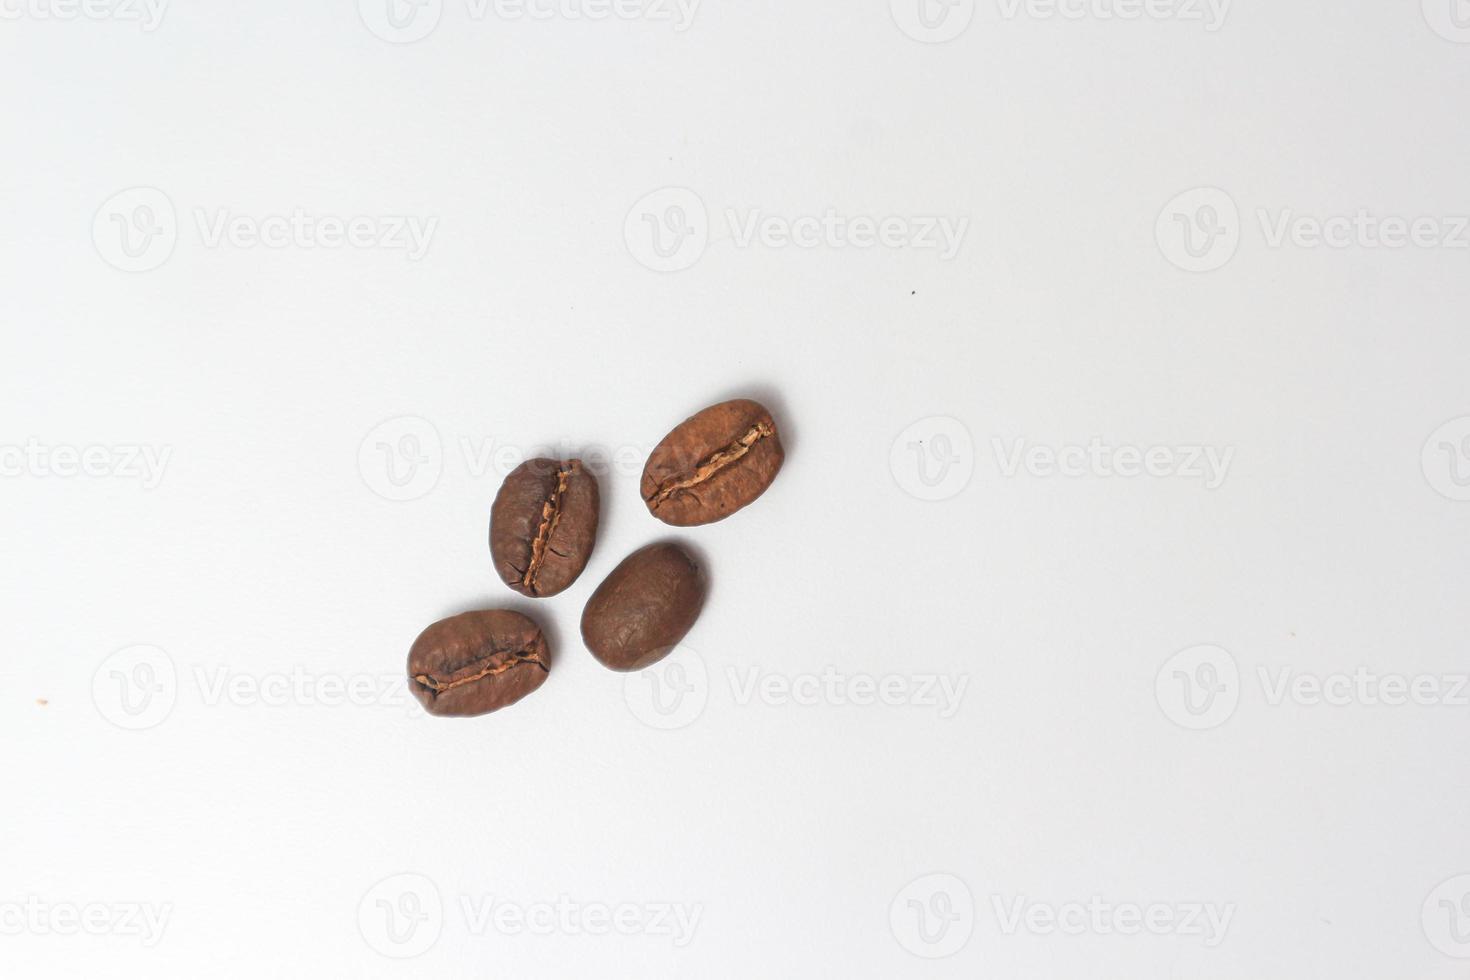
[550, 517]
[714, 463]
[517, 659]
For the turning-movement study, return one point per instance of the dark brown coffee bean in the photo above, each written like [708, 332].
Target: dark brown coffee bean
[477, 662]
[543, 526]
[644, 608]
[712, 464]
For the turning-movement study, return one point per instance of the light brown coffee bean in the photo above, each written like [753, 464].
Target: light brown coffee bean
[477, 662]
[644, 608]
[712, 464]
[543, 525]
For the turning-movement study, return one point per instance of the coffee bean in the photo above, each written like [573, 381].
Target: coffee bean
[712, 464]
[644, 608]
[477, 662]
[543, 526]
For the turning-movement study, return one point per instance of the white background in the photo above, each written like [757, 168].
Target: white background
[806, 833]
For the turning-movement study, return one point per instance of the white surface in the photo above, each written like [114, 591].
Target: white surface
[264, 821]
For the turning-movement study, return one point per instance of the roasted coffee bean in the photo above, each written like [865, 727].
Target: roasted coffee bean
[477, 662]
[712, 464]
[644, 608]
[543, 526]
